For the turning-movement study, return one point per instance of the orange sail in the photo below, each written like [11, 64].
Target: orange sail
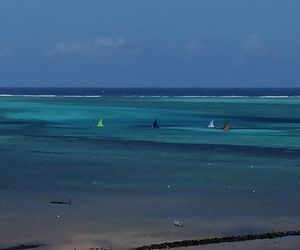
[226, 126]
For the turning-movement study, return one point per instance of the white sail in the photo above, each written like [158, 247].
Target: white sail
[211, 124]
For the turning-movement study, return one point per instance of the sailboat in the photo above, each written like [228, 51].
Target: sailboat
[100, 124]
[211, 124]
[155, 124]
[226, 126]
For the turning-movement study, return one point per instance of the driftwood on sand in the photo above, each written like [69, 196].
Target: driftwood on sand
[23, 246]
[237, 238]
[59, 202]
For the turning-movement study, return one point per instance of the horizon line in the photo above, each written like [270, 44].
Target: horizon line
[145, 87]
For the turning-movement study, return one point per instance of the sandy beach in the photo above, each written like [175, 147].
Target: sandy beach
[119, 224]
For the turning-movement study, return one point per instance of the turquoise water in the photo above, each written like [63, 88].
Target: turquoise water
[51, 148]
[59, 136]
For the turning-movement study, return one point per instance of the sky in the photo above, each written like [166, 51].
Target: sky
[157, 43]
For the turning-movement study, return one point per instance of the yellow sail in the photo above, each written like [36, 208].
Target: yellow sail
[100, 124]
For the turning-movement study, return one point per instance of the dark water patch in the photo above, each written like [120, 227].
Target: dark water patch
[263, 151]
[185, 147]
[15, 122]
[27, 127]
[19, 132]
[5, 111]
[45, 152]
[268, 119]
[5, 150]
[120, 143]
[28, 122]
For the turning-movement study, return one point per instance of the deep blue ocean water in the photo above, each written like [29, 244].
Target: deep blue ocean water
[50, 147]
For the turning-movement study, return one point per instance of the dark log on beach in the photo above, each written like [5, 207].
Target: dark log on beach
[237, 238]
[23, 246]
[68, 202]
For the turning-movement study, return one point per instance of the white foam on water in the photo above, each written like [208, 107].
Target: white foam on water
[53, 96]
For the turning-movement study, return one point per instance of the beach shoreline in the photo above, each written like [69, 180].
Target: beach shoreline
[122, 224]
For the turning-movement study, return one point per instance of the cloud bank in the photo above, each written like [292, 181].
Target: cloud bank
[193, 46]
[5, 50]
[98, 45]
[253, 43]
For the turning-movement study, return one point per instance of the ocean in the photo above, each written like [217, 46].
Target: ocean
[128, 182]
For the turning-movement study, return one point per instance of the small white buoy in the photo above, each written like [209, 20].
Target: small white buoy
[253, 191]
[169, 186]
[209, 164]
[58, 216]
[251, 166]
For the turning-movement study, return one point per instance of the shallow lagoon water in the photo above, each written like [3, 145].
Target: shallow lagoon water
[128, 177]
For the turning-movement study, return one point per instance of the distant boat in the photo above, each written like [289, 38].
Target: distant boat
[226, 126]
[100, 124]
[155, 124]
[211, 124]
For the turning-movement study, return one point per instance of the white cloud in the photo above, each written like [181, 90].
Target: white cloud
[105, 45]
[5, 50]
[253, 43]
[193, 46]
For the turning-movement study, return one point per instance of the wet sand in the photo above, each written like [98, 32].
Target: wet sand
[125, 240]
[112, 223]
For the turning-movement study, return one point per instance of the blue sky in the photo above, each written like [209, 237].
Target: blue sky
[165, 43]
